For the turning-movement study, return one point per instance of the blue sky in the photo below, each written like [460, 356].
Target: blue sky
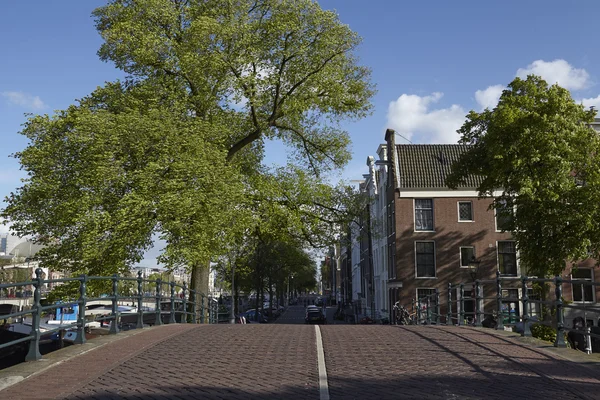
[432, 62]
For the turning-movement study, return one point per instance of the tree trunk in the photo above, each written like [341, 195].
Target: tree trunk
[199, 283]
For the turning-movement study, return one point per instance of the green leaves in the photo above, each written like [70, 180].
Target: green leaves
[537, 148]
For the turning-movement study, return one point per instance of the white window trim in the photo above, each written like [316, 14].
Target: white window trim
[516, 257]
[593, 287]
[422, 288]
[496, 220]
[460, 255]
[458, 211]
[415, 214]
[434, 260]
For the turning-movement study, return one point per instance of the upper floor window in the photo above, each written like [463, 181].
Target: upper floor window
[423, 214]
[507, 258]
[504, 216]
[581, 291]
[425, 259]
[465, 211]
[467, 253]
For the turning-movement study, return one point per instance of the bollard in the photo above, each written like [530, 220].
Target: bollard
[34, 345]
[525, 299]
[185, 305]
[418, 311]
[461, 318]
[80, 338]
[560, 327]
[499, 315]
[172, 318]
[114, 329]
[140, 319]
[449, 306]
[158, 297]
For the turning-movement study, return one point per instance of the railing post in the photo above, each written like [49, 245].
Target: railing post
[461, 315]
[202, 310]
[194, 298]
[525, 300]
[34, 345]
[478, 310]
[140, 320]
[114, 329]
[560, 327]
[437, 307]
[185, 304]
[499, 315]
[80, 338]
[449, 305]
[172, 319]
[158, 297]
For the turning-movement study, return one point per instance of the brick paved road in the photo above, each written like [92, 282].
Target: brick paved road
[423, 362]
[258, 361]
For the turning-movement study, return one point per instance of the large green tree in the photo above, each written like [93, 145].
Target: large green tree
[177, 148]
[286, 66]
[537, 148]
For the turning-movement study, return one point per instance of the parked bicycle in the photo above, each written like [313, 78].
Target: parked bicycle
[401, 315]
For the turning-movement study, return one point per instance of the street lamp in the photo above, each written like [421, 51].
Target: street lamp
[474, 268]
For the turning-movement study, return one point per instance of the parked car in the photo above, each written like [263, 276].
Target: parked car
[315, 316]
[253, 317]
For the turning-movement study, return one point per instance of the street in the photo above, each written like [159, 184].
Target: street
[292, 360]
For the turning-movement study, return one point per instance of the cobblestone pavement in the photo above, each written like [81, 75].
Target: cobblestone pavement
[265, 361]
[421, 362]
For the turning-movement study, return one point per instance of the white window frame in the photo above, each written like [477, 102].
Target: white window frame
[434, 260]
[415, 214]
[584, 279]
[417, 294]
[460, 255]
[458, 211]
[496, 219]
[518, 268]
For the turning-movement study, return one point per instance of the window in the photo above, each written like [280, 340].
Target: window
[504, 216]
[423, 214]
[465, 211]
[581, 291]
[423, 293]
[467, 253]
[507, 258]
[425, 259]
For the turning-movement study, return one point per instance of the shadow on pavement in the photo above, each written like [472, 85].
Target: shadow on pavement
[425, 386]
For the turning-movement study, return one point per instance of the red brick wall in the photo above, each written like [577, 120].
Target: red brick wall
[449, 235]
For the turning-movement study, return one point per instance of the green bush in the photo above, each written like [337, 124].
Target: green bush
[543, 332]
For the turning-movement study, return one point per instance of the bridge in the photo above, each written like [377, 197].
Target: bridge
[291, 360]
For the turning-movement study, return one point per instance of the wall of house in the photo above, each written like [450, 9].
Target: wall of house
[449, 235]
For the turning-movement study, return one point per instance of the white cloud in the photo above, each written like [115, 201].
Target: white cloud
[594, 101]
[488, 98]
[24, 100]
[557, 71]
[412, 117]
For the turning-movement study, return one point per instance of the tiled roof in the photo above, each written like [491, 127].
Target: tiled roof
[425, 166]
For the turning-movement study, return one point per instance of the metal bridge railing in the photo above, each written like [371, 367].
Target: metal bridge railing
[168, 306]
[428, 308]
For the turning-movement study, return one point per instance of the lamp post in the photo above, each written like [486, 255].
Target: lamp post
[474, 268]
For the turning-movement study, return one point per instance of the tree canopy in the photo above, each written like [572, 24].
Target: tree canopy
[176, 149]
[537, 148]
